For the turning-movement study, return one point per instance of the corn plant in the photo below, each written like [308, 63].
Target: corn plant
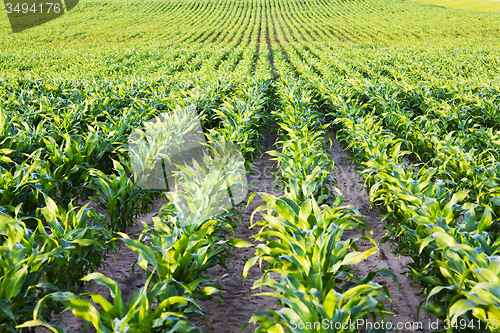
[138, 315]
[305, 247]
[122, 199]
[23, 184]
[67, 164]
[184, 255]
[467, 285]
[77, 248]
[305, 165]
[211, 186]
[243, 118]
[306, 305]
[22, 266]
[305, 168]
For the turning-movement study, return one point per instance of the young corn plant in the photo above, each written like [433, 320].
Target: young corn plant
[305, 247]
[175, 254]
[184, 255]
[67, 165]
[305, 165]
[119, 196]
[23, 184]
[211, 186]
[306, 306]
[22, 266]
[305, 168]
[77, 247]
[152, 308]
[242, 118]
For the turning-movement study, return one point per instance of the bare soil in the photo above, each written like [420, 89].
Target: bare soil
[237, 308]
[405, 299]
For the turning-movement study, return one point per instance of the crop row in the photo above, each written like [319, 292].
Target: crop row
[447, 227]
[47, 249]
[427, 145]
[301, 234]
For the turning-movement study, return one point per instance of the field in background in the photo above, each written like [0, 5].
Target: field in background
[137, 38]
[116, 27]
[410, 89]
[474, 5]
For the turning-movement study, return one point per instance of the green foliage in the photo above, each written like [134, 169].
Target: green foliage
[22, 265]
[76, 247]
[135, 316]
[414, 99]
[36, 263]
[122, 199]
[175, 260]
[304, 244]
[439, 212]
[305, 166]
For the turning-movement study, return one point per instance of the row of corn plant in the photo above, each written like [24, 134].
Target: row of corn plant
[243, 118]
[465, 159]
[303, 243]
[73, 127]
[305, 166]
[61, 143]
[447, 235]
[175, 254]
[50, 257]
[467, 156]
[175, 259]
[442, 211]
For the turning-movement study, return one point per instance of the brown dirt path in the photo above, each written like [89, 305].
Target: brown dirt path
[237, 308]
[405, 300]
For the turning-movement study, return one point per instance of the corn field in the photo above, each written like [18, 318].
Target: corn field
[410, 89]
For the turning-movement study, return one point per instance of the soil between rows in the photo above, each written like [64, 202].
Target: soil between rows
[405, 299]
